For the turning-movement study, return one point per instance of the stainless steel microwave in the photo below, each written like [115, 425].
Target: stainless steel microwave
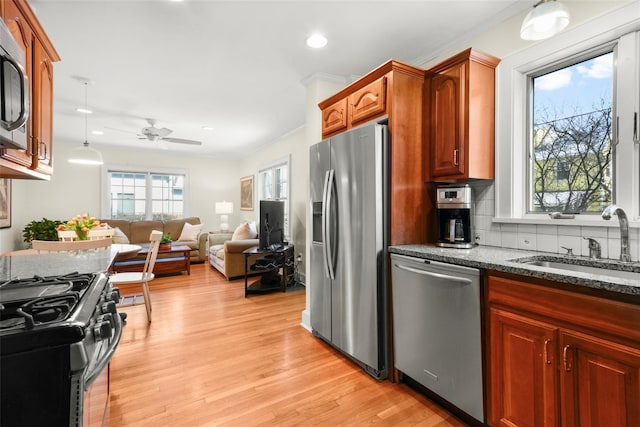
[14, 92]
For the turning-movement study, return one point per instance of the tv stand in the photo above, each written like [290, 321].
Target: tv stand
[269, 265]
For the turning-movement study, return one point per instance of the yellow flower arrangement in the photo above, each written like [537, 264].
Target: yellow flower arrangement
[81, 224]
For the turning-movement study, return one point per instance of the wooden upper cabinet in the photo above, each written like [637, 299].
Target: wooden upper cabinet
[462, 115]
[334, 117]
[21, 32]
[367, 98]
[448, 122]
[368, 102]
[37, 161]
[393, 93]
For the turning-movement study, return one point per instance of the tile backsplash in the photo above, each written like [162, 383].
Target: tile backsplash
[545, 238]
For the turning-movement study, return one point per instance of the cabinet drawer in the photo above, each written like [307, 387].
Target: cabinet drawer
[369, 101]
[599, 315]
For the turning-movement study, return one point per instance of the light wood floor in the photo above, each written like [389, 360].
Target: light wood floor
[213, 358]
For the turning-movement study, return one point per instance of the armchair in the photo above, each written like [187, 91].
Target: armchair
[225, 255]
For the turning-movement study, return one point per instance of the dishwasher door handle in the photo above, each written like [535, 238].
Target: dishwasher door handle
[435, 275]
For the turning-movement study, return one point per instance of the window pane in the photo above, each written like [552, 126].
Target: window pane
[167, 189]
[570, 163]
[125, 192]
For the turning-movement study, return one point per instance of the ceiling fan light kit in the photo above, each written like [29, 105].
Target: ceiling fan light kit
[154, 134]
[547, 19]
[85, 155]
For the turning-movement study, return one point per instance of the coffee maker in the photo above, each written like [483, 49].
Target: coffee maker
[454, 208]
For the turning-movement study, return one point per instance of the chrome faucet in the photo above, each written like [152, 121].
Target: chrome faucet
[624, 229]
[595, 251]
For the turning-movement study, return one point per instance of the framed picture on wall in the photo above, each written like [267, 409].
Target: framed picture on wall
[246, 193]
[5, 203]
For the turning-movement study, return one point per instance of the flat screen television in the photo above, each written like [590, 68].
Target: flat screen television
[271, 223]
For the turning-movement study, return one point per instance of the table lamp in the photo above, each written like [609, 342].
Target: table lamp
[224, 209]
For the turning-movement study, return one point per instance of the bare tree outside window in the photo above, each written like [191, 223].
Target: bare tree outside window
[571, 156]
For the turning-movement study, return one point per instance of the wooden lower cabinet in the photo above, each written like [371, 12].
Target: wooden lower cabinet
[523, 374]
[555, 361]
[599, 382]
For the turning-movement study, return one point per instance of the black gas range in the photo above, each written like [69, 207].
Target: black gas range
[57, 336]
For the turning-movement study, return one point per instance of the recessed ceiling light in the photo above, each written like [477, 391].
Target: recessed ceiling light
[208, 127]
[84, 110]
[97, 132]
[316, 41]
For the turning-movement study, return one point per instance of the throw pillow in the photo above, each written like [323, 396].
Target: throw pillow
[119, 236]
[190, 232]
[253, 229]
[243, 232]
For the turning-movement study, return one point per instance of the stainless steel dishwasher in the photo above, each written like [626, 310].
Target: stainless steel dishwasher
[437, 330]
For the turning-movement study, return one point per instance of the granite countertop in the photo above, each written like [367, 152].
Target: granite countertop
[55, 263]
[498, 259]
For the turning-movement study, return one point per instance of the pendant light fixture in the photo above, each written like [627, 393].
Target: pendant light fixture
[547, 19]
[85, 155]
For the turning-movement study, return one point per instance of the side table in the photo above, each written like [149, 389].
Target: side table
[269, 265]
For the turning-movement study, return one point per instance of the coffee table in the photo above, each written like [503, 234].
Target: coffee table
[172, 259]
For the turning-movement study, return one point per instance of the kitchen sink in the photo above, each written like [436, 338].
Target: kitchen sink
[611, 268]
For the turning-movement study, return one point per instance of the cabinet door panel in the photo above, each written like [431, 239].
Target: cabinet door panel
[334, 117]
[522, 371]
[600, 382]
[369, 101]
[42, 109]
[448, 122]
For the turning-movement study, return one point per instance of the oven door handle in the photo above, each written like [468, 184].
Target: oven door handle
[91, 376]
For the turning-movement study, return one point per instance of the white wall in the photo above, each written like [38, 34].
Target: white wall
[294, 147]
[75, 189]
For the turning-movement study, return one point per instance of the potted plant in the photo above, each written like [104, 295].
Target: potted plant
[45, 229]
[165, 241]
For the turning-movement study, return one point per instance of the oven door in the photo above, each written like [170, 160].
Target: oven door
[95, 378]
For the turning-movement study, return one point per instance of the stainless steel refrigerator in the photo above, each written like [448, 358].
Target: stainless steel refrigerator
[348, 286]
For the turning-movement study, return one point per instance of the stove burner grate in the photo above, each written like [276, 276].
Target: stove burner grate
[25, 303]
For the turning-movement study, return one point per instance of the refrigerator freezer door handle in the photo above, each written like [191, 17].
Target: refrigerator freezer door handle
[326, 203]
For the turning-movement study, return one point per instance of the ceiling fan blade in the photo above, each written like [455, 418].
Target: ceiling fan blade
[120, 130]
[182, 141]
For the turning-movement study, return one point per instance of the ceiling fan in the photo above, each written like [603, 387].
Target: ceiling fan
[152, 133]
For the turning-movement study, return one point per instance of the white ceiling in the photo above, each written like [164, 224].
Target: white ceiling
[234, 65]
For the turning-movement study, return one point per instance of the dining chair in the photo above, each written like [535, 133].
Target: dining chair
[67, 235]
[69, 245]
[146, 275]
[100, 233]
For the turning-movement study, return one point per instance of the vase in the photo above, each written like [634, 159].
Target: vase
[82, 235]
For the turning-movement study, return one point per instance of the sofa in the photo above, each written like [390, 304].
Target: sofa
[137, 232]
[225, 250]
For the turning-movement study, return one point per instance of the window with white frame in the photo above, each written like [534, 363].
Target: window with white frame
[567, 133]
[570, 156]
[150, 195]
[273, 184]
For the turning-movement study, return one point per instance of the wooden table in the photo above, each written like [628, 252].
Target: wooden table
[172, 259]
